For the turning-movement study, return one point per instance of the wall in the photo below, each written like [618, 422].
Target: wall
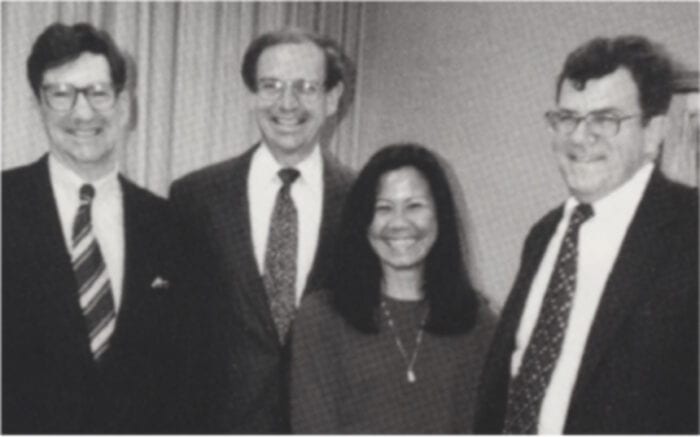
[472, 81]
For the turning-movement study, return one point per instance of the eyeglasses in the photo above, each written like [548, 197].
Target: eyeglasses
[600, 124]
[270, 88]
[62, 96]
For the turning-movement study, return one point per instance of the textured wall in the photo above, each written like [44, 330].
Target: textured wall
[472, 81]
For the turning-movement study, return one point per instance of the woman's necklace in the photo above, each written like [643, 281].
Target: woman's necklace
[410, 361]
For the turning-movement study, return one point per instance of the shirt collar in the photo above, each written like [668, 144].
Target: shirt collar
[264, 168]
[625, 198]
[64, 179]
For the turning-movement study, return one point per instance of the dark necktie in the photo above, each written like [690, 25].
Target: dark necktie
[528, 387]
[94, 288]
[280, 256]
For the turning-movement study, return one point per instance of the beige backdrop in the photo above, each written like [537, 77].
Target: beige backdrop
[470, 80]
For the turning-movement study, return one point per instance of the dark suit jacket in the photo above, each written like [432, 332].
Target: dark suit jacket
[241, 382]
[50, 382]
[639, 372]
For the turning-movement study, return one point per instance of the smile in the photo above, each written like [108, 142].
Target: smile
[289, 121]
[584, 159]
[85, 133]
[400, 243]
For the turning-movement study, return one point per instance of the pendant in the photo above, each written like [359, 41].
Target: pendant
[410, 376]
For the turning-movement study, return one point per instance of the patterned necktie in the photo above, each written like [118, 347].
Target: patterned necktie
[528, 387]
[94, 288]
[280, 256]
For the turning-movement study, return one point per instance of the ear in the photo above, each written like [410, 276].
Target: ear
[333, 98]
[251, 100]
[654, 135]
[125, 109]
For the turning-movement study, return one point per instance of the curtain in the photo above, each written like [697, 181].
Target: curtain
[191, 107]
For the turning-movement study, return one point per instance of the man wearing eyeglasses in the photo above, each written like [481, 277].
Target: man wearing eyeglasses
[262, 227]
[600, 331]
[87, 313]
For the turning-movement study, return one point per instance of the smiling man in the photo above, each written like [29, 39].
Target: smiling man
[261, 230]
[87, 257]
[609, 344]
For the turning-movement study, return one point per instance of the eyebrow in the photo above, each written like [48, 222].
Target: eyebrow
[601, 111]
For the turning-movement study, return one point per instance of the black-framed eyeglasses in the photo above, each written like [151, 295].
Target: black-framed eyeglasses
[600, 124]
[271, 88]
[62, 96]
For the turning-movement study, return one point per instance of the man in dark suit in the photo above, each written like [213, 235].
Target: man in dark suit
[261, 228]
[87, 313]
[609, 344]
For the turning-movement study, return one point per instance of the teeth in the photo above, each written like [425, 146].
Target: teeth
[85, 132]
[401, 243]
[286, 120]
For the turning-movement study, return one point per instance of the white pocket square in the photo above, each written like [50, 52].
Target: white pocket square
[160, 284]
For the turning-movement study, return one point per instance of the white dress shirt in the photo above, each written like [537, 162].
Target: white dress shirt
[600, 239]
[107, 217]
[307, 195]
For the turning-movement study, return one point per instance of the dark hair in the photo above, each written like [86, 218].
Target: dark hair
[339, 68]
[649, 64]
[60, 44]
[355, 282]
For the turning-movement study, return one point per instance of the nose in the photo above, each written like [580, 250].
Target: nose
[398, 219]
[289, 100]
[82, 109]
[582, 133]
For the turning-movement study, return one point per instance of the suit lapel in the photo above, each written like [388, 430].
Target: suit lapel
[630, 276]
[57, 281]
[233, 242]
[530, 262]
[493, 391]
[137, 226]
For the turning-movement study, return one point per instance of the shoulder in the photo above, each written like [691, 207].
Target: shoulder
[671, 210]
[21, 175]
[544, 227]
[337, 172]
[25, 189]
[141, 194]
[145, 207]
[682, 198]
[318, 319]
[204, 178]
[315, 307]
[140, 199]
[486, 322]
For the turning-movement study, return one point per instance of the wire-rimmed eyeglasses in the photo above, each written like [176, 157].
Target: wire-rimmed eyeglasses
[600, 124]
[271, 88]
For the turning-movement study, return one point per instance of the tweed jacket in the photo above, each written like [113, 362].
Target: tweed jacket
[242, 378]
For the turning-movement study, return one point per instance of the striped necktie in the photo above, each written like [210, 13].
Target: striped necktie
[528, 387]
[279, 276]
[94, 288]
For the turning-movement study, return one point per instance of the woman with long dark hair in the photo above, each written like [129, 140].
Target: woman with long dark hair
[395, 344]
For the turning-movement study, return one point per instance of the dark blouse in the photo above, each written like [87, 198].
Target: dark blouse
[345, 381]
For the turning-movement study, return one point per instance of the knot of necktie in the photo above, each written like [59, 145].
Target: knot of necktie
[288, 175]
[87, 193]
[582, 212]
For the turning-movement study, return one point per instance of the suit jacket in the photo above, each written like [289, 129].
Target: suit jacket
[242, 379]
[639, 372]
[50, 381]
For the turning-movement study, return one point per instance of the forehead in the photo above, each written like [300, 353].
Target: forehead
[86, 69]
[616, 90]
[292, 61]
[403, 182]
